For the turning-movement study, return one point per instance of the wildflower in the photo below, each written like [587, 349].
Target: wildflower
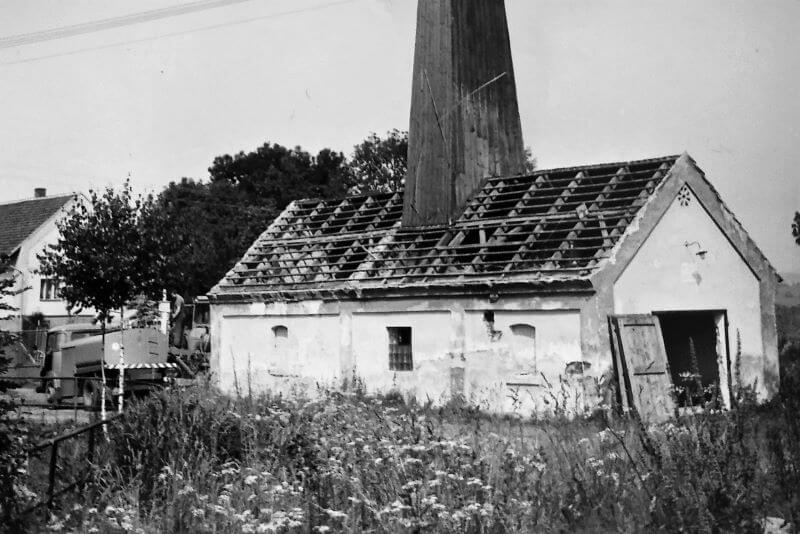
[250, 480]
[429, 500]
[605, 435]
[322, 529]
[472, 507]
[198, 513]
[335, 514]
[594, 463]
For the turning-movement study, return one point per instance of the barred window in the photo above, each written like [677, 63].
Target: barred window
[400, 354]
[49, 289]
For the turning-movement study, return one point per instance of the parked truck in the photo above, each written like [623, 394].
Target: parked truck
[73, 362]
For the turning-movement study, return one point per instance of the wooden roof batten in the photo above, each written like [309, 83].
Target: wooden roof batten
[566, 243]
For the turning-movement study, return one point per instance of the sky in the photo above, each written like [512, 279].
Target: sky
[597, 81]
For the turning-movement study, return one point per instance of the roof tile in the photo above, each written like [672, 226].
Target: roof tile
[20, 219]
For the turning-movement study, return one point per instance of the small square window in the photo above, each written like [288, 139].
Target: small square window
[400, 354]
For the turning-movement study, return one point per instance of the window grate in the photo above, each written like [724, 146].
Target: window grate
[400, 352]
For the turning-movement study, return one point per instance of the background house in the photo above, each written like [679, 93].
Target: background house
[479, 281]
[26, 228]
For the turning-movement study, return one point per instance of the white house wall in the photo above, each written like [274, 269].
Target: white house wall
[249, 359]
[454, 351]
[668, 274]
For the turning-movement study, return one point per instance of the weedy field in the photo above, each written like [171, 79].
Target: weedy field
[196, 461]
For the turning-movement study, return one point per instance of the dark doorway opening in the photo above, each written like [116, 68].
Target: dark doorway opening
[694, 351]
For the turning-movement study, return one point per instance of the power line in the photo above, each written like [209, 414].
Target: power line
[113, 22]
[183, 32]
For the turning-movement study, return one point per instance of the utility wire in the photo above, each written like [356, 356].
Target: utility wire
[113, 22]
[183, 32]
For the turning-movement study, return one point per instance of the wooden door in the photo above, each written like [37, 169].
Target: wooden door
[641, 360]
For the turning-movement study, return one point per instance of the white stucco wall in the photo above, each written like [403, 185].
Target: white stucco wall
[496, 367]
[667, 275]
[430, 338]
[452, 348]
[251, 358]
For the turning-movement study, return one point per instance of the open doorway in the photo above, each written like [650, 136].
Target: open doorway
[696, 347]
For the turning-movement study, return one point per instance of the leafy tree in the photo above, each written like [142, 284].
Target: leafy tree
[212, 224]
[530, 160]
[380, 164]
[275, 174]
[107, 253]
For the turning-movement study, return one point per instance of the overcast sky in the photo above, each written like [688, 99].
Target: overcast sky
[597, 81]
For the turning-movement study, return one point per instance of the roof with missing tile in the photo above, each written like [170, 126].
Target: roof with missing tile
[552, 226]
[20, 219]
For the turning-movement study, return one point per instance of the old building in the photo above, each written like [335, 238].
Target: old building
[501, 287]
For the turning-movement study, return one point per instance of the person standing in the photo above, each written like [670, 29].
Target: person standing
[178, 317]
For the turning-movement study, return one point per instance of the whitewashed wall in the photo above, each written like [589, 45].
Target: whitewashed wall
[668, 275]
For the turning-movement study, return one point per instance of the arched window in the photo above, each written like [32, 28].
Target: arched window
[280, 331]
[523, 343]
[280, 339]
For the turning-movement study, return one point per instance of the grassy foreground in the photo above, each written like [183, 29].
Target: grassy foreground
[196, 461]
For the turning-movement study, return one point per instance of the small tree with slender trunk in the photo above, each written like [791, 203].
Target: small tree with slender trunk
[109, 251]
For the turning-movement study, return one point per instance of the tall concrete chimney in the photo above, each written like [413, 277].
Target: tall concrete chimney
[464, 122]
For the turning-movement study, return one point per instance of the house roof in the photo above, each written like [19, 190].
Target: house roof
[21, 218]
[551, 227]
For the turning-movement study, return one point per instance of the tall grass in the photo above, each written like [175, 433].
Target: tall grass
[197, 461]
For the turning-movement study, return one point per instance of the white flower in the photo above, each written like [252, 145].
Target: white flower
[250, 480]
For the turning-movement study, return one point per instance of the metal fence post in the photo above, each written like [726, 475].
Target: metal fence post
[90, 451]
[52, 474]
[75, 398]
